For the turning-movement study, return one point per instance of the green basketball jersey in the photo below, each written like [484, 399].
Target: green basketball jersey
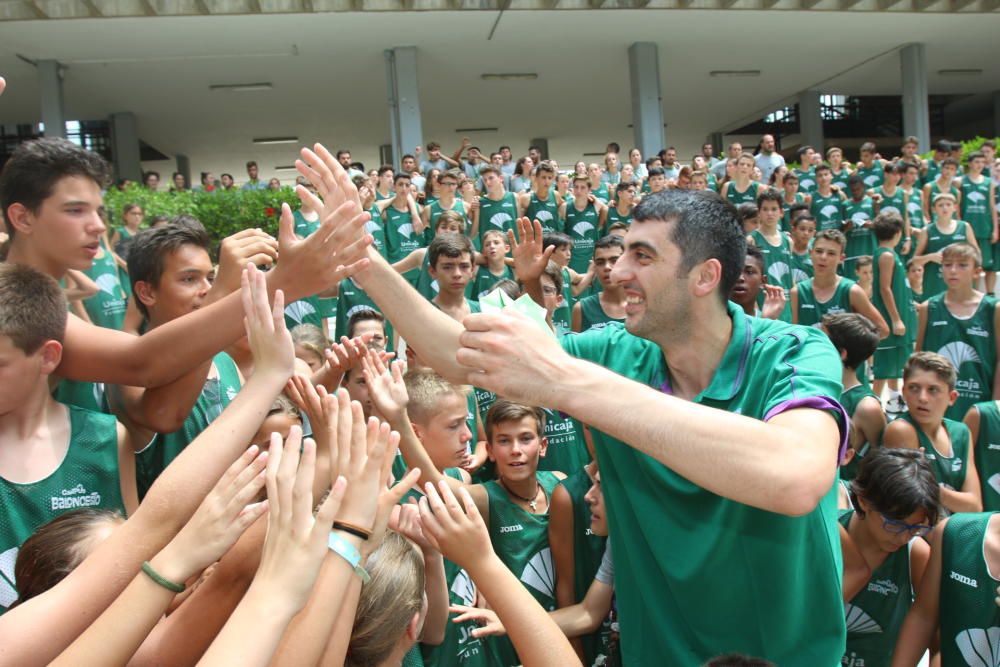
[592, 315]
[828, 211]
[400, 238]
[304, 227]
[987, 454]
[969, 617]
[875, 615]
[931, 173]
[748, 196]
[521, 540]
[976, 206]
[802, 266]
[546, 212]
[786, 216]
[567, 450]
[310, 310]
[86, 395]
[949, 470]
[914, 208]
[582, 227]
[969, 345]
[840, 179]
[860, 239]
[485, 279]
[376, 227]
[220, 389]
[499, 215]
[894, 203]
[588, 550]
[87, 477]
[107, 307]
[602, 192]
[777, 267]
[458, 206]
[873, 176]
[615, 216]
[811, 311]
[807, 179]
[350, 299]
[850, 400]
[562, 316]
[459, 646]
[696, 574]
[937, 241]
[901, 294]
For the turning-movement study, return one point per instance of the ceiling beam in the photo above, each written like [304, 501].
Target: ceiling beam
[308, 7]
[991, 5]
[36, 9]
[684, 4]
[202, 7]
[809, 4]
[148, 8]
[92, 9]
[727, 4]
[769, 4]
[921, 5]
[848, 4]
[885, 5]
[255, 6]
[596, 4]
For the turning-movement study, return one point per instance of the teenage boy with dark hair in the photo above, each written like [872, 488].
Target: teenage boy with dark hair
[827, 203]
[541, 202]
[608, 305]
[450, 263]
[944, 183]
[859, 211]
[774, 246]
[893, 297]
[498, 209]
[943, 231]
[404, 228]
[978, 208]
[584, 222]
[870, 167]
[624, 203]
[806, 172]
[803, 231]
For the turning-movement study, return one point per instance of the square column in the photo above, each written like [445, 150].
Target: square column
[647, 110]
[916, 113]
[811, 120]
[404, 101]
[50, 86]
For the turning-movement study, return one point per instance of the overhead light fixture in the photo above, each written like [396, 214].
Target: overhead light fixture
[270, 141]
[470, 130]
[734, 73]
[510, 76]
[285, 167]
[241, 87]
[960, 72]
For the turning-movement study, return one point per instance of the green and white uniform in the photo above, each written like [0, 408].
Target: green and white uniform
[310, 310]
[220, 389]
[567, 450]
[873, 176]
[828, 211]
[777, 267]
[602, 192]
[949, 470]
[937, 241]
[807, 180]
[107, 307]
[893, 351]
[850, 399]
[969, 345]
[583, 227]
[546, 212]
[840, 179]
[969, 624]
[896, 202]
[400, 238]
[680, 549]
[592, 315]
[811, 311]
[614, 216]
[458, 206]
[350, 299]
[860, 239]
[786, 216]
[459, 646]
[748, 196]
[87, 477]
[802, 266]
[521, 540]
[875, 615]
[976, 212]
[499, 215]
[987, 454]
[376, 227]
[304, 227]
[485, 280]
[562, 316]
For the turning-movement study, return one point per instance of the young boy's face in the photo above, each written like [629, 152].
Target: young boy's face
[915, 275]
[910, 177]
[449, 226]
[864, 274]
[890, 177]
[581, 189]
[604, 261]
[927, 396]
[402, 186]
[803, 232]
[857, 190]
[357, 388]
[790, 183]
[279, 423]
[494, 246]
[824, 178]
[186, 279]
[562, 254]
[452, 273]
[948, 172]
[958, 271]
[544, 179]
[751, 224]
[550, 295]
[515, 446]
[770, 212]
[944, 207]
[976, 164]
[826, 255]
[698, 183]
[314, 361]
[446, 435]
[748, 285]
[657, 182]
[376, 329]
[18, 370]
[595, 500]
[867, 157]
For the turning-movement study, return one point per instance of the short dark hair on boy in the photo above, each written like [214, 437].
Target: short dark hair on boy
[448, 245]
[506, 411]
[150, 248]
[557, 239]
[803, 216]
[31, 173]
[931, 362]
[963, 249]
[609, 241]
[897, 482]
[747, 211]
[887, 224]
[834, 235]
[364, 315]
[770, 195]
[754, 252]
[854, 334]
[656, 171]
[32, 307]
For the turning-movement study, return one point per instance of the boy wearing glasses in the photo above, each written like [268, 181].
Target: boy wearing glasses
[448, 201]
[928, 389]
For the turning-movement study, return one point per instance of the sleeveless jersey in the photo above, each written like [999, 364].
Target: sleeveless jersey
[802, 266]
[914, 208]
[987, 454]
[582, 227]
[107, 307]
[828, 211]
[777, 266]
[840, 178]
[786, 216]
[807, 179]
[592, 316]
[87, 395]
[304, 227]
[376, 227]
[351, 299]
[748, 196]
[873, 176]
[499, 215]
[901, 294]
[562, 316]
[87, 477]
[860, 239]
[976, 206]
[459, 646]
[896, 202]
[937, 241]
[484, 281]
[310, 310]
[875, 615]
[567, 450]
[969, 346]
[811, 311]
[546, 212]
[949, 470]
[850, 400]
[588, 550]
[458, 206]
[970, 621]
[521, 540]
[400, 238]
[218, 392]
[124, 241]
[602, 192]
[614, 216]
[931, 173]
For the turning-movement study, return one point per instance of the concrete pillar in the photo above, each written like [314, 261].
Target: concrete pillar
[404, 100]
[718, 144]
[125, 146]
[811, 120]
[543, 146]
[647, 109]
[184, 166]
[916, 113]
[50, 85]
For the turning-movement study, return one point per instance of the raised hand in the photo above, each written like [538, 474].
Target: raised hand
[774, 302]
[459, 534]
[322, 410]
[530, 259]
[406, 521]
[269, 340]
[249, 246]
[487, 619]
[386, 387]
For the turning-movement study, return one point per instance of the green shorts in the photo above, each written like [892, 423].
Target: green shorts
[889, 362]
[989, 263]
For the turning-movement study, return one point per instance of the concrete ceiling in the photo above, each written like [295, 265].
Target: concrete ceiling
[328, 73]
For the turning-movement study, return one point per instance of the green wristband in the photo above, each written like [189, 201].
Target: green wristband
[166, 583]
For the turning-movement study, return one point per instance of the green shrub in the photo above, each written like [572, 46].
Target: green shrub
[970, 146]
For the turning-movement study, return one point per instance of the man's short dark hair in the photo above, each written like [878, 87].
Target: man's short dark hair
[754, 252]
[342, 151]
[704, 227]
[251, 163]
[656, 171]
[32, 307]
[384, 169]
[150, 248]
[31, 173]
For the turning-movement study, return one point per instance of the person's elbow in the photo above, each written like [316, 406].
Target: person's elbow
[434, 636]
[806, 483]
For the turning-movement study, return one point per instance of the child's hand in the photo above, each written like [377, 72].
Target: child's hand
[270, 343]
[530, 259]
[460, 535]
[386, 387]
[487, 619]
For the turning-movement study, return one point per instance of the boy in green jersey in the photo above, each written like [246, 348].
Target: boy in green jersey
[892, 297]
[495, 249]
[803, 231]
[415, 266]
[374, 226]
[450, 266]
[107, 307]
[597, 310]
[910, 185]
[962, 325]
[448, 201]
[750, 283]
[404, 228]
[983, 420]
[732, 405]
[859, 211]
[915, 276]
[928, 389]
[791, 197]
[895, 496]
[944, 183]
[742, 189]
[585, 219]
[657, 181]
[625, 194]
[856, 338]
[54, 457]
[385, 182]
[864, 274]
[938, 235]
[838, 172]
[870, 167]
[827, 292]
[977, 196]
[541, 202]
[774, 246]
[805, 173]
[498, 209]
[827, 203]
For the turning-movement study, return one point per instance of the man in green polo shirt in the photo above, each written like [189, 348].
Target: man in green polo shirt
[717, 436]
